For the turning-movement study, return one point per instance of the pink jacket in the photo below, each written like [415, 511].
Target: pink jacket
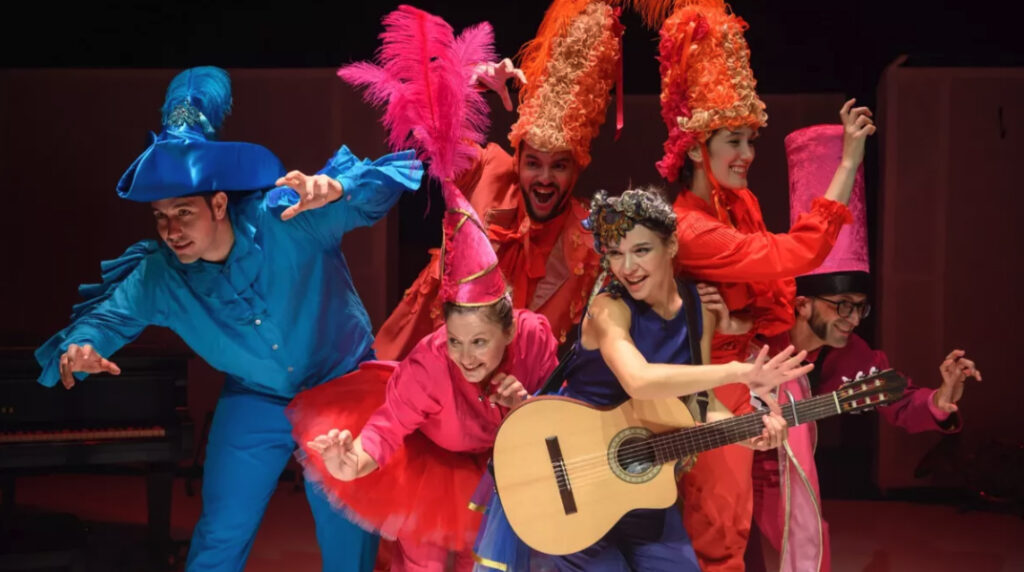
[787, 498]
[427, 392]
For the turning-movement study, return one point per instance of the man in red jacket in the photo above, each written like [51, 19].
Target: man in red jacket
[525, 199]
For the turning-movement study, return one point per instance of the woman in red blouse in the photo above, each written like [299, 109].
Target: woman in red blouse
[712, 112]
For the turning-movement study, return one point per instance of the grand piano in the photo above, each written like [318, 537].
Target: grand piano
[137, 420]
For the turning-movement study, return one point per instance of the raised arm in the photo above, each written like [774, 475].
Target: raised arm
[712, 250]
[495, 76]
[348, 193]
[857, 127]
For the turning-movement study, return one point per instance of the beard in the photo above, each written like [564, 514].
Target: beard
[559, 208]
[822, 329]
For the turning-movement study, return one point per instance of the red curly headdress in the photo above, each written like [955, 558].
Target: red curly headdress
[706, 80]
[571, 66]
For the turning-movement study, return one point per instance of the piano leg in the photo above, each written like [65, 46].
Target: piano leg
[159, 481]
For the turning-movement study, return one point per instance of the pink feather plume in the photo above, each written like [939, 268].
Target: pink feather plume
[422, 79]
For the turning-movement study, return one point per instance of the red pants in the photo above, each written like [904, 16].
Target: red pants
[718, 498]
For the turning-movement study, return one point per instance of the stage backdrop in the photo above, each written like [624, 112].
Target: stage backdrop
[950, 263]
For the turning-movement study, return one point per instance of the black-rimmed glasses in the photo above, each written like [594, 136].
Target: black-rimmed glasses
[845, 308]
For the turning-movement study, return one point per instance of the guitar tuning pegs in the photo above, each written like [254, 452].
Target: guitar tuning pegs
[873, 370]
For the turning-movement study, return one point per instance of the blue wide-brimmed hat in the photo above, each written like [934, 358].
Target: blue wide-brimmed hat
[185, 159]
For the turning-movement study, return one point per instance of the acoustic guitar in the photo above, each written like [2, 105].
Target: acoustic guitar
[567, 471]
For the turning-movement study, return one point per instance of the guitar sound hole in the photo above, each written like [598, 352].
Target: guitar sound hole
[635, 456]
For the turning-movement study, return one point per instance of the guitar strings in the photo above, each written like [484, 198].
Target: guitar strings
[693, 436]
[586, 469]
[813, 408]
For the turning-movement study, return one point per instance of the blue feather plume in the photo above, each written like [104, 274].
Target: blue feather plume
[206, 88]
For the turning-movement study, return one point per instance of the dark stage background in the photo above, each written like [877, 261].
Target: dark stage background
[82, 84]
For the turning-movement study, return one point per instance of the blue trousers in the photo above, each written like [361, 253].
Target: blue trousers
[647, 540]
[250, 443]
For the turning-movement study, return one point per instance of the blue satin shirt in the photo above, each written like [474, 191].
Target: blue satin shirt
[279, 315]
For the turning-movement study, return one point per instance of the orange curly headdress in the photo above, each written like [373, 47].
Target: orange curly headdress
[571, 67]
[706, 80]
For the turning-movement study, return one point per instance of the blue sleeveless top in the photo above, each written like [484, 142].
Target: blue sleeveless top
[659, 341]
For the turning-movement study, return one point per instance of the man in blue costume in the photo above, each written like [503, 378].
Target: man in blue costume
[254, 281]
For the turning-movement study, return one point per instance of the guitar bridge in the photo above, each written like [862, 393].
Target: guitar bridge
[561, 475]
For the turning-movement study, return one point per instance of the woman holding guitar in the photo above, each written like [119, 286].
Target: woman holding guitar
[635, 343]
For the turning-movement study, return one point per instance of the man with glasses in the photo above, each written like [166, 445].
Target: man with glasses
[828, 308]
[830, 303]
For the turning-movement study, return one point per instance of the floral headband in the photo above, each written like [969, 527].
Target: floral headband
[612, 217]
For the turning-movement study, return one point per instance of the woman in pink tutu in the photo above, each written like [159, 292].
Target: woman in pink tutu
[401, 447]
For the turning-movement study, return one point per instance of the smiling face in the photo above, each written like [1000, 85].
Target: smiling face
[546, 179]
[642, 261]
[824, 320]
[193, 227]
[730, 153]
[476, 342]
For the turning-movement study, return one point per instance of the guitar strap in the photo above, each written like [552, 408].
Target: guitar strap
[554, 381]
[693, 334]
[814, 377]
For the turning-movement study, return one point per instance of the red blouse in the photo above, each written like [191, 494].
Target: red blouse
[754, 268]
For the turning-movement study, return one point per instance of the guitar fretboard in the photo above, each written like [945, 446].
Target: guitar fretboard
[690, 441]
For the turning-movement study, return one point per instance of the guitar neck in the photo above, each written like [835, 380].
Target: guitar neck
[682, 443]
